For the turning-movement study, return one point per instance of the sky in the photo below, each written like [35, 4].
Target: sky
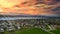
[30, 7]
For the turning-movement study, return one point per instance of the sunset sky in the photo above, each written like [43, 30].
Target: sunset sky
[13, 7]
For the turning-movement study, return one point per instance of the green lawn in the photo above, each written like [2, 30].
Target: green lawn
[31, 31]
[56, 31]
[27, 31]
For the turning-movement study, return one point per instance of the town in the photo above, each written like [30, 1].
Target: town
[11, 25]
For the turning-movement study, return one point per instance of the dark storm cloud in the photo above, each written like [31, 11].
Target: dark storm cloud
[57, 10]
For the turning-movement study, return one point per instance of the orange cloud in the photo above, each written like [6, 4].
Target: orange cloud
[24, 7]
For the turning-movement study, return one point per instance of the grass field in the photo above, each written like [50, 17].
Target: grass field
[56, 31]
[27, 31]
[31, 31]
